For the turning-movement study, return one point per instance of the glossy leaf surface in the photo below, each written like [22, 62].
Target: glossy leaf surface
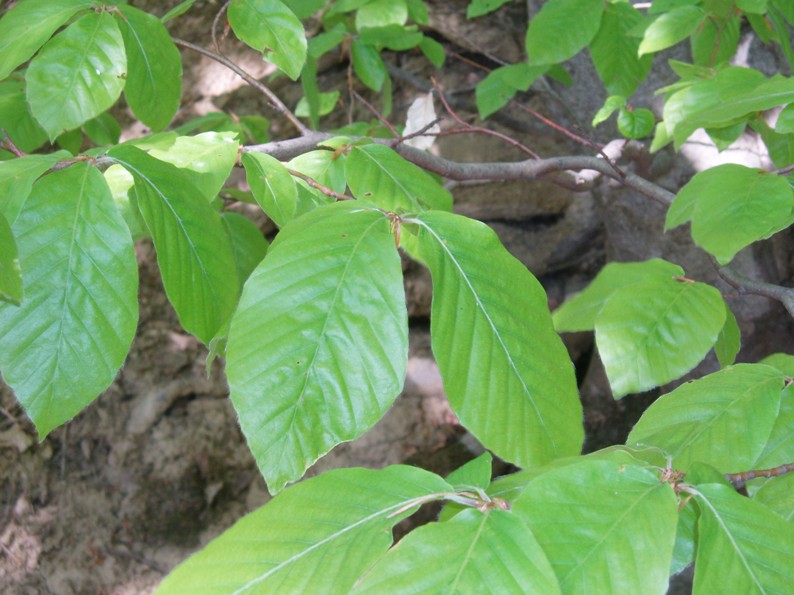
[318, 536]
[78, 74]
[154, 77]
[506, 372]
[706, 420]
[81, 281]
[318, 347]
[273, 187]
[475, 552]
[653, 332]
[193, 250]
[605, 527]
[16, 180]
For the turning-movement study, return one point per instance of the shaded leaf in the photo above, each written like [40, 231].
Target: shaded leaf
[368, 65]
[729, 340]
[81, 297]
[475, 552]
[477, 8]
[498, 88]
[248, 243]
[779, 448]
[561, 29]
[378, 174]
[634, 124]
[78, 74]
[777, 494]
[653, 332]
[605, 527]
[154, 68]
[706, 420]
[318, 346]
[272, 186]
[319, 536]
[16, 120]
[193, 252]
[506, 372]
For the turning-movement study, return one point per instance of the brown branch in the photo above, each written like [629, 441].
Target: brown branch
[376, 113]
[317, 186]
[745, 285]
[7, 143]
[740, 479]
[273, 99]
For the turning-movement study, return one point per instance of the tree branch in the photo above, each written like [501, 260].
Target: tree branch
[785, 295]
[740, 479]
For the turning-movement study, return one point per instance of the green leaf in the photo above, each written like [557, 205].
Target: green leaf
[319, 536]
[742, 546]
[634, 124]
[255, 129]
[580, 312]
[777, 494]
[16, 120]
[653, 332]
[325, 42]
[685, 538]
[727, 135]
[10, 274]
[729, 340]
[716, 40]
[477, 8]
[506, 372]
[78, 74]
[475, 473]
[561, 29]
[248, 243]
[433, 51]
[779, 448]
[154, 68]
[381, 13]
[394, 37]
[785, 120]
[66, 342]
[782, 361]
[475, 552]
[103, 130]
[612, 104]
[273, 29]
[752, 6]
[328, 103]
[209, 157]
[16, 180]
[177, 10]
[378, 174]
[318, 346]
[732, 206]
[274, 189]
[324, 167]
[605, 527]
[670, 28]
[71, 141]
[498, 88]
[28, 25]
[615, 53]
[368, 65]
[120, 182]
[706, 420]
[417, 10]
[193, 251]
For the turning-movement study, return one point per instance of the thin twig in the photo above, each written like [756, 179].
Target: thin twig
[785, 295]
[317, 186]
[740, 479]
[215, 22]
[376, 113]
[7, 143]
[423, 131]
[479, 130]
[275, 102]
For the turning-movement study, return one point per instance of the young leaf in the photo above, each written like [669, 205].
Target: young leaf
[27, 26]
[706, 420]
[273, 29]
[729, 340]
[685, 538]
[716, 40]
[193, 252]
[381, 13]
[777, 494]
[580, 312]
[634, 124]
[605, 527]
[475, 473]
[318, 347]
[506, 372]
[501, 84]
[782, 361]
[16, 120]
[378, 174]
[779, 448]
[274, 189]
[670, 28]
[433, 51]
[16, 180]
[103, 130]
[612, 104]
[78, 74]
[478, 8]
[732, 206]
[615, 53]
[10, 275]
[154, 75]
[210, 157]
[177, 10]
[653, 332]
[81, 297]
[743, 547]
[561, 29]
[319, 536]
[475, 552]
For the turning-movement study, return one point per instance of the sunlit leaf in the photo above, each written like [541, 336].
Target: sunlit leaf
[10, 274]
[273, 188]
[561, 29]
[16, 180]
